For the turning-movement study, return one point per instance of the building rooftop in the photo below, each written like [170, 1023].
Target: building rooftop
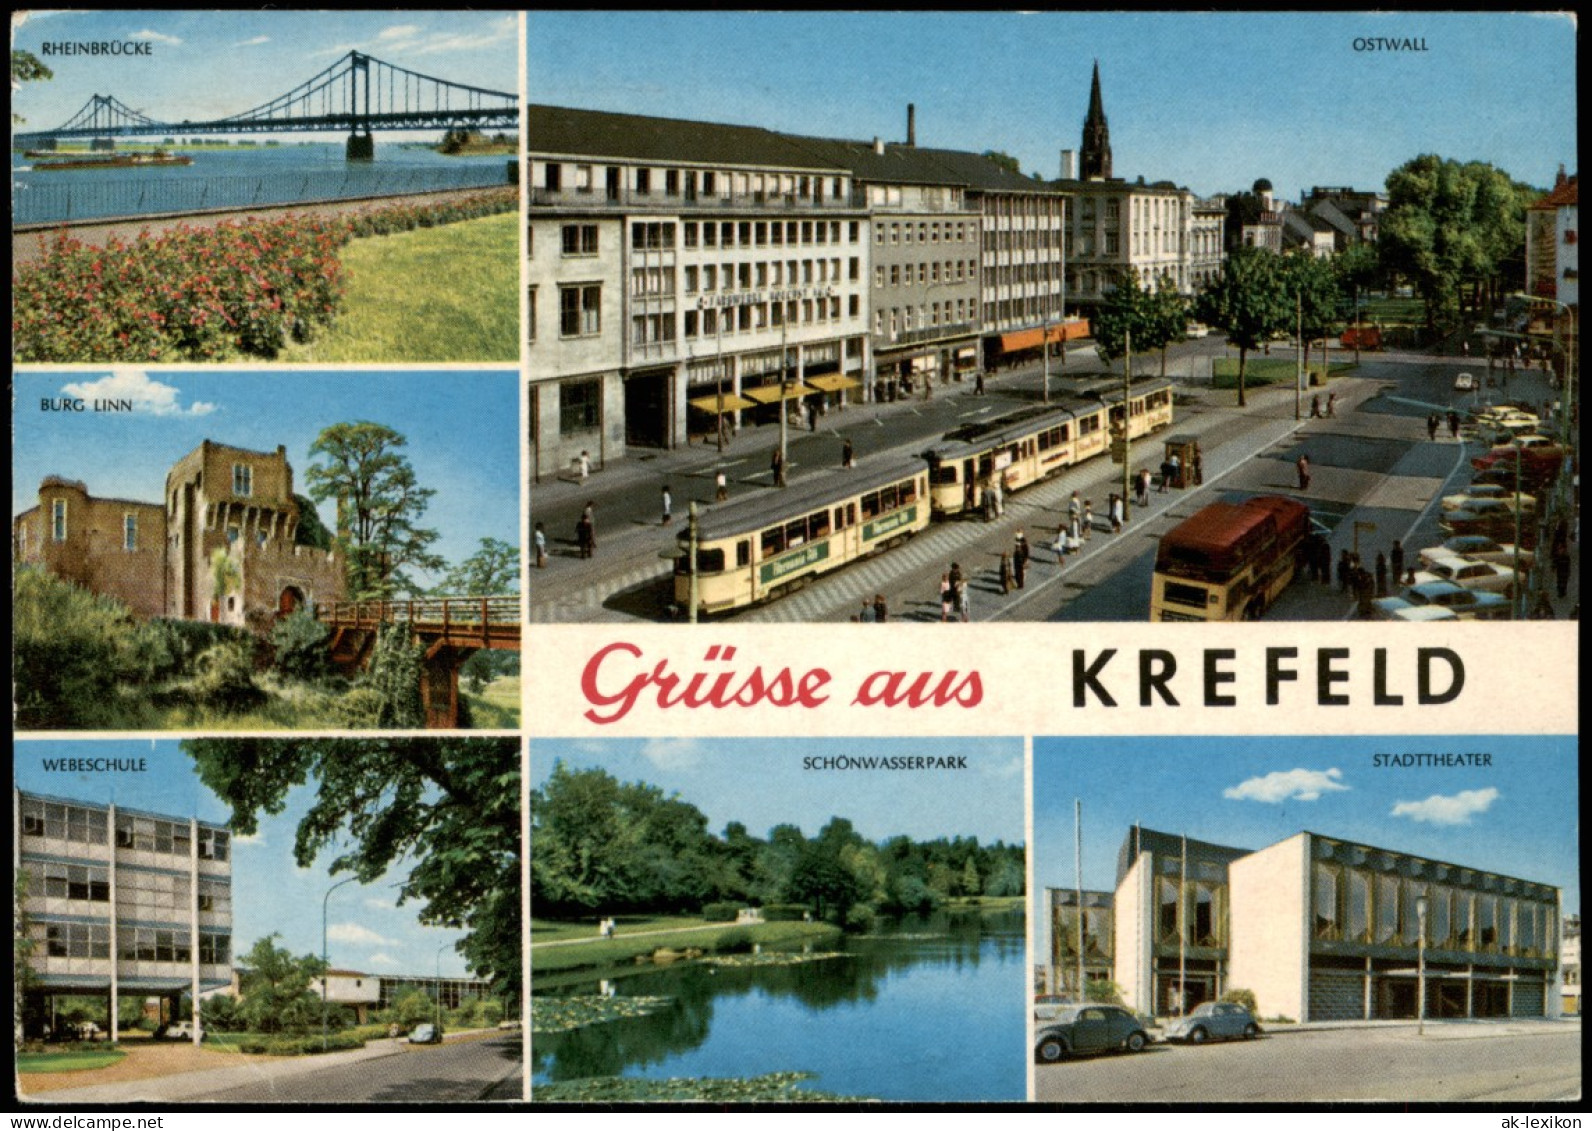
[602, 134]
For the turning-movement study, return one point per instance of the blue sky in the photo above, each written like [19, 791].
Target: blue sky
[1518, 817]
[207, 65]
[462, 428]
[270, 892]
[761, 783]
[1210, 101]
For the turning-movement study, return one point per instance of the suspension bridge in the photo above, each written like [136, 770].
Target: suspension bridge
[359, 94]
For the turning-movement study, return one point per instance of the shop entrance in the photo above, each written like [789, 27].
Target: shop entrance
[647, 409]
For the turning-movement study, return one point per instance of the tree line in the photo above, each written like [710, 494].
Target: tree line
[600, 846]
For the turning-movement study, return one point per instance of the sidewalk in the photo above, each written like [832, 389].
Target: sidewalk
[1447, 1029]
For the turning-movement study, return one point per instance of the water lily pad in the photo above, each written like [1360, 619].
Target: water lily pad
[561, 1014]
[775, 1087]
[768, 958]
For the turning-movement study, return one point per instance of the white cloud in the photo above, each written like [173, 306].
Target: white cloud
[672, 753]
[1288, 785]
[497, 32]
[397, 32]
[374, 904]
[1455, 810]
[386, 960]
[256, 837]
[148, 395]
[255, 42]
[355, 933]
[156, 37]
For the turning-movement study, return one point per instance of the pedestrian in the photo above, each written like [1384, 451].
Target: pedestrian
[1020, 559]
[1431, 426]
[1315, 406]
[964, 602]
[1561, 559]
[1381, 574]
[584, 464]
[978, 384]
[847, 456]
[583, 536]
[1088, 520]
[812, 417]
[589, 517]
[865, 614]
[1166, 476]
[1396, 560]
[1074, 506]
[1144, 487]
[721, 488]
[1303, 467]
[1324, 558]
[539, 540]
[1116, 513]
[1074, 532]
[1453, 424]
[1060, 544]
[881, 611]
[668, 505]
[1343, 570]
[947, 598]
[1177, 470]
[1000, 498]
[1006, 573]
[1464, 349]
[1332, 404]
[1199, 466]
[776, 464]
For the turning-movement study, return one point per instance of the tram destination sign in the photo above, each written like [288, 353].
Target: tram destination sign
[879, 527]
[787, 564]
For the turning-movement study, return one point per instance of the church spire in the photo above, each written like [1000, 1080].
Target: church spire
[1096, 156]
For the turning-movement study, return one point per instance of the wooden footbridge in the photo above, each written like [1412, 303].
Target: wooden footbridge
[450, 629]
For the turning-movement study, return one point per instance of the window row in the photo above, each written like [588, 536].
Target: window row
[754, 316]
[766, 233]
[750, 276]
[1030, 239]
[73, 881]
[899, 319]
[902, 274]
[1097, 932]
[690, 184]
[927, 231]
[1193, 912]
[1351, 905]
[59, 821]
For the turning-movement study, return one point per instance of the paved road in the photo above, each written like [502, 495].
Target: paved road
[1501, 1064]
[464, 1071]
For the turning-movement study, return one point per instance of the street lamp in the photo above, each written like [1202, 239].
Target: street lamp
[1299, 348]
[438, 1012]
[1420, 966]
[326, 1001]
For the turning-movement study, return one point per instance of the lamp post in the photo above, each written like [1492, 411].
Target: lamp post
[1299, 348]
[1514, 586]
[326, 1004]
[1420, 966]
[438, 1012]
[784, 409]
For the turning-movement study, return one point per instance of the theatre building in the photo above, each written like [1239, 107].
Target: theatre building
[1318, 928]
[119, 903]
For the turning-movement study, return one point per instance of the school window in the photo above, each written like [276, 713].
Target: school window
[242, 479]
[580, 310]
[671, 182]
[689, 235]
[580, 239]
[530, 328]
[856, 306]
[577, 406]
[582, 178]
[58, 520]
[551, 178]
[710, 183]
[878, 275]
[643, 182]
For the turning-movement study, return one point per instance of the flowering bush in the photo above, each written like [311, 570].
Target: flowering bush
[238, 288]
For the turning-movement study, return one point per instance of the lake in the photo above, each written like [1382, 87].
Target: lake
[241, 178]
[924, 1008]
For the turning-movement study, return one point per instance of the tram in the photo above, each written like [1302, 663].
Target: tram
[764, 545]
[1031, 444]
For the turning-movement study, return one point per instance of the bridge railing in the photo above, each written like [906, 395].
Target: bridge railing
[35, 200]
[430, 612]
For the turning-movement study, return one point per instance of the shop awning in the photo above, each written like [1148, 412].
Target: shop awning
[833, 382]
[728, 403]
[768, 394]
[1035, 337]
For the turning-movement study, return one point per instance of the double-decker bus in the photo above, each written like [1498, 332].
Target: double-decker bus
[1228, 561]
[768, 543]
[1030, 444]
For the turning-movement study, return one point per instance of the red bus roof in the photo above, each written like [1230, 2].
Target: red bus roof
[1213, 532]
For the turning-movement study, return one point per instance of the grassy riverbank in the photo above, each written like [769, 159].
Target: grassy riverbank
[687, 933]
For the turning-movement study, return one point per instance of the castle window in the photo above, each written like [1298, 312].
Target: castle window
[242, 479]
[58, 519]
[130, 532]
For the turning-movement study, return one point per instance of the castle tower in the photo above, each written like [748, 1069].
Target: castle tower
[1096, 155]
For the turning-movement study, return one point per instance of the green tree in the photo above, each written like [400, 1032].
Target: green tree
[1128, 309]
[278, 988]
[443, 812]
[22, 944]
[1311, 284]
[1168, 321]
[26, 67]
[1004, 160]
[311, 531]
[1247, 302]
[492, 571]
[222, 1013]
[1453, 229]
[70, 651]
[971, 883]
[394, 675]
[414, 1007]
[380, 503]
[225, 577]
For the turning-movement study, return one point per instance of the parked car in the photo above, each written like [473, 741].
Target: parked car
[1478, 547]
[1197, 330]
[1538, 456]
[1467, 573]
[1491, 517]
[1397, 608]
[426, 1034]
[176, 1031]
[1489, 491]
[1467, 604]
[1464, 383]
[1215, 1021]
[89, 1031]
[1090, 1028]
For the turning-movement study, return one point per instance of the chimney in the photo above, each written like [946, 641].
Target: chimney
[1069, 164]
[912, 124]
[878, 147]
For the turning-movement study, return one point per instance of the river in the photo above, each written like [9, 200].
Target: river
[921, 1008]
[241, 177]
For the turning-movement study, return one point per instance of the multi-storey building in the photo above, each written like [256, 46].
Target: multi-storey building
[1308, 230]
[120, 903]
[1553, 268]
[1319, 929]
[684, 276]
[1089, 935]
[1206, 242]
[364, 993]
[1353, 214]
[158, 558]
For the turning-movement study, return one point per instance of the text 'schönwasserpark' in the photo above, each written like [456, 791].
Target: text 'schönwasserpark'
[1033, 334]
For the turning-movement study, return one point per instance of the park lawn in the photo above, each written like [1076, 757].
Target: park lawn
[1269, 370]
[1393, 311]
[449, 293]
[74, 1060]
[497, 707]
[987, 903]
[607, 952]
[555, 930]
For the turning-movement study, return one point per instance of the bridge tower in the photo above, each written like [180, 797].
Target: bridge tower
[361, 145]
